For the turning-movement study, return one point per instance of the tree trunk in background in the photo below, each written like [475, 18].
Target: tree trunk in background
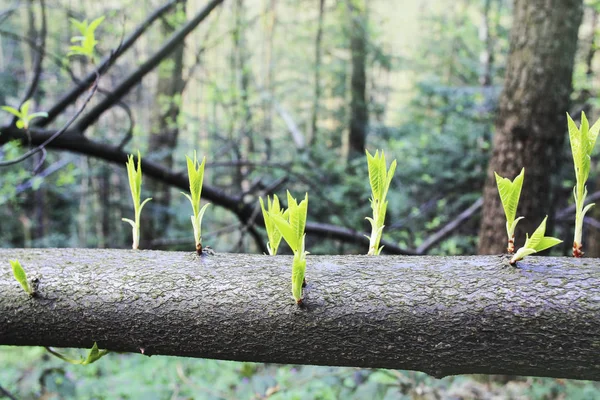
[591, 236]
[531, 123]
[312, 141]
[359, 113]
[165, 129]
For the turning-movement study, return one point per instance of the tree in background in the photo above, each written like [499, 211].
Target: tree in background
[164, 131]
[531, 121]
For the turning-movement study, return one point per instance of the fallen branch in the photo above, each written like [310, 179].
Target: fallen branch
[440, 315]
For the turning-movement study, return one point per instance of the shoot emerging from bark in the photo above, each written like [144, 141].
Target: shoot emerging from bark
[94, 355]
[380, 180]
[582, 141]
[21, 276]
[510, 192]
[291, 227]
[536, 243]
[196, 177]
[135, 185]
[273, 208]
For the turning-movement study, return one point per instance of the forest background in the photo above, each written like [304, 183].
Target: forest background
[277, 95]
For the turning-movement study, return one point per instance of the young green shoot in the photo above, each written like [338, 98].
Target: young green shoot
[273, 208]
[582, 141]
[292, 229]
[94, 355]
[509, 196]
[536, 243]
[196, 176]
[87, 40]
[21, 276]
[380, 183]
[23, 116]
[135, 184]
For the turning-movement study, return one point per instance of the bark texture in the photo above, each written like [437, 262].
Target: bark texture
[440, 315]
[531, 124]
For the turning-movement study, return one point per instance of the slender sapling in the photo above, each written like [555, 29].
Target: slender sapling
[196, 177]
[292, 230]
[582, 141]
[380, 180]
[135, 185]
[509, 196]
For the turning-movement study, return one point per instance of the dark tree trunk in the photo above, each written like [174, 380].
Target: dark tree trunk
[531, 124]
[318, 65]
[441, 315]
[165, 129]
[359, 113]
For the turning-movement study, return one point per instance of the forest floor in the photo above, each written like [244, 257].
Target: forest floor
[32, 373]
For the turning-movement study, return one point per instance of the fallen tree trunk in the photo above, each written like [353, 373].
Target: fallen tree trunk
[440, 315]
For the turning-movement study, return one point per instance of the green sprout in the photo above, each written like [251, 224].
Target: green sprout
[94, 355]
[273, 208]
[196, 176]
[380, 183]
[87, 39]
[21, 276]
[536, 243]
[292, 230]
[135, 184]
[23, 114]
[509, 196]
[582, 140]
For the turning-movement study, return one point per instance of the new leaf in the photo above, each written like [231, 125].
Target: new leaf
[536, 243]
[510, 192]
[582, 142]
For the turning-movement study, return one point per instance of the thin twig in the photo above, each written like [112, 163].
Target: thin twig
[6, 393]
[57, 133]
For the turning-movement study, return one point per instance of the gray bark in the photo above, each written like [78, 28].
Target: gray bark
[440, 315]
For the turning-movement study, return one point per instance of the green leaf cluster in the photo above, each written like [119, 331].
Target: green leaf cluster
[380, 178]
[510, 192]
[135, 185]
[196, 177]
[21, 276]
[273, 208]
[87, 39]
[291, 225]
[23, 114]
[536, 243]
[94, 355]
[582, 141]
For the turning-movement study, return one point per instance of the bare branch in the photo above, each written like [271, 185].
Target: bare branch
[134, 78]
[62, 104]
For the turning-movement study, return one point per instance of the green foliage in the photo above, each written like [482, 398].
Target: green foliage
[273, 208]
[21, 276]
[510, 192]
[87, 39]
[292, 230]
[23, 116]
[196, 177]
[135, 185]
[536, 243]
[582, 141]
[93, 355]
[380, 180]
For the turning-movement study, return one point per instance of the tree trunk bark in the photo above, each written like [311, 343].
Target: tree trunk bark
[440, 315]
[531, 123]
[359, 112]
